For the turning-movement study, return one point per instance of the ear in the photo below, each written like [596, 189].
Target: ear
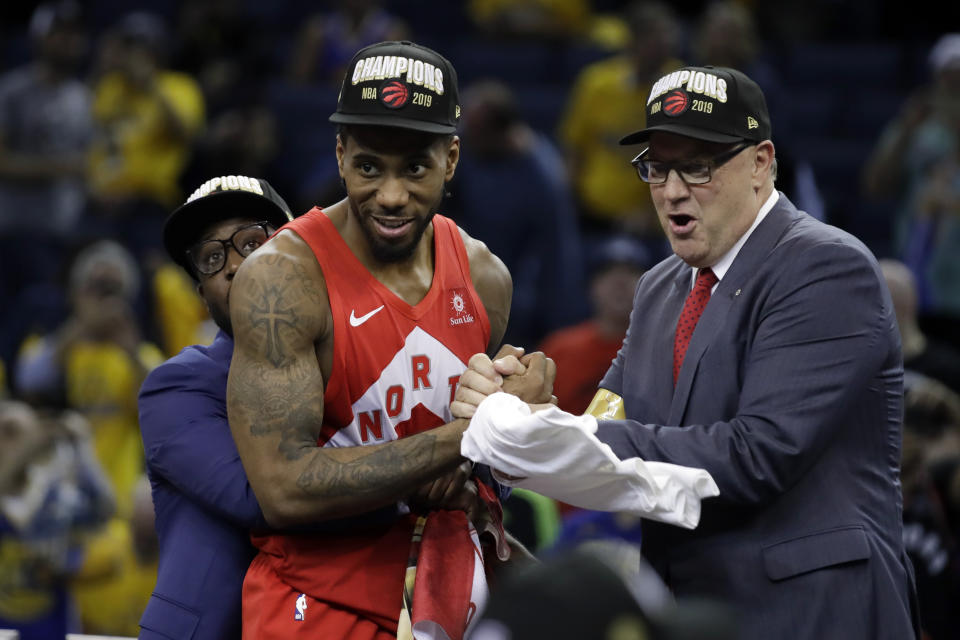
[763, 163]
[202, 297]
[453, 157]
[340, 153]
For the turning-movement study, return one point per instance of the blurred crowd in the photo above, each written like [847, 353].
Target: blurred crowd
[110, 113]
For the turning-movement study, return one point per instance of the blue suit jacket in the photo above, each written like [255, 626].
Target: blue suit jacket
[203, 502]
[790, 395]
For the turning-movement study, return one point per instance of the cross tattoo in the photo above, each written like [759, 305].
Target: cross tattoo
[271, 316]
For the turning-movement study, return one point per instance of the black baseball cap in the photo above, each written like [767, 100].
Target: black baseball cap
[399, 84]
[217, 199]
[716, 104]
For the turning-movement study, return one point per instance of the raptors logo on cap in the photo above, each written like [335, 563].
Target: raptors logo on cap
[676, 103]
[394, 94]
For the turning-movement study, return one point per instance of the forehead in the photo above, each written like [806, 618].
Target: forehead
[223, 229]
[104, 269]
[392, 141]
[664, 146]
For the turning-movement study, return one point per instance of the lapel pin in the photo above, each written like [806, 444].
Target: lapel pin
[737, 292]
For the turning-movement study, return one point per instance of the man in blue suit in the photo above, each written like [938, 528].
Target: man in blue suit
[203, 502]
[765, 351]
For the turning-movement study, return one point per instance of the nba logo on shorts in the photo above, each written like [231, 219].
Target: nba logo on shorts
[301, 607]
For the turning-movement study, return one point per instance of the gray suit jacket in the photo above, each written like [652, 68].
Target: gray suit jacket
[790, 395]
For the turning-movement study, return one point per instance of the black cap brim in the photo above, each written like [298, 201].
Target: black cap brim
[184, 225]
[643, 135]
[392, 121]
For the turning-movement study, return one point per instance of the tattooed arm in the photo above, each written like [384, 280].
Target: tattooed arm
[281, 321]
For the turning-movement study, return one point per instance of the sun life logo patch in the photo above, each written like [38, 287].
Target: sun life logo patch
[394, 94]
[461, 307]
[676, 103]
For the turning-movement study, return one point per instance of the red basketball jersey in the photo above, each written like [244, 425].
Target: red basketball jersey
[395, 370]
[395, 366]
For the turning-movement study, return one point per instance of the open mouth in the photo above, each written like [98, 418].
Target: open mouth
[681, 222]
[391, 227]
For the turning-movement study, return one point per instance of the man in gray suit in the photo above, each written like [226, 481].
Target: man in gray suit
[765, 351]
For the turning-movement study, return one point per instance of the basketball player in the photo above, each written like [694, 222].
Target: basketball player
[352, 327]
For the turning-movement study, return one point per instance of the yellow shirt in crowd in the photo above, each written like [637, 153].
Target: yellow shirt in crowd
[103, 383]
[181, 314]
[605, 104]
[135, 154]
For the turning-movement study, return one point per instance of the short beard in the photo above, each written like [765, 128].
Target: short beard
[388, 252]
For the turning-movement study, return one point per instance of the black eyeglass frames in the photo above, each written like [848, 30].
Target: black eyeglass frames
[210, 256]
[691, 171]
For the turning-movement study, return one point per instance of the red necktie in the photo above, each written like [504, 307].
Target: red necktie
[692, 309]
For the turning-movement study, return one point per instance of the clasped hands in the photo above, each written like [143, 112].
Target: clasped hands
[529, 377]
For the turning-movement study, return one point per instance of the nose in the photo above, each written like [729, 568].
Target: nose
[393, 193]
[675, 187]
[233, 261]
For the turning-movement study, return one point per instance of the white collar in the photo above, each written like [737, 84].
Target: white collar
[722, 265]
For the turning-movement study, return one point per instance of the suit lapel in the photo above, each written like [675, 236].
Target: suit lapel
[733, 289]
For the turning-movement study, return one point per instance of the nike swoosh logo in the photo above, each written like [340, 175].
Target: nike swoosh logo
[356, 322]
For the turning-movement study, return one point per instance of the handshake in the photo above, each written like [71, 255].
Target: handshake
[528, 376]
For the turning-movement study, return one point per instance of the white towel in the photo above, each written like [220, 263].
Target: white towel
[556, 454]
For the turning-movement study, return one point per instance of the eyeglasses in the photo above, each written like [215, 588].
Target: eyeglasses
[691, 172]
[209, 257]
